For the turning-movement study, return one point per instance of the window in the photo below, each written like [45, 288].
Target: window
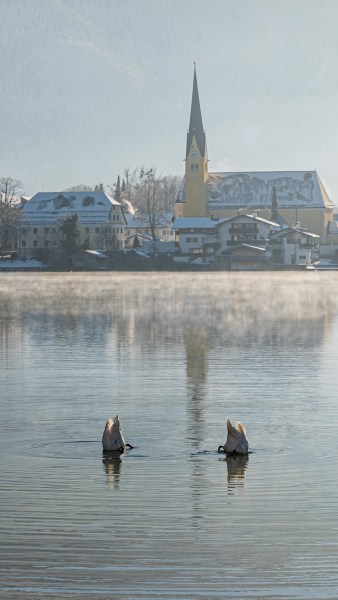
[192, 168]
[23, 243]
[87, 229]
[97, 229]
[192, 239]
[302, 257]
[46, 229]
[35, 229]
[35, 244]
[196, 167]
[23, 231]
[46, 243]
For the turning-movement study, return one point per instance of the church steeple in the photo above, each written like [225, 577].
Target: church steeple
[196, 123]
[196, 161]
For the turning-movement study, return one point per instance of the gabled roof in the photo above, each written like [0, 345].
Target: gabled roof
[52, 206]
[252, 217]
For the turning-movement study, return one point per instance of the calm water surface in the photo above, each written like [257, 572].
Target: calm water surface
[174, 355]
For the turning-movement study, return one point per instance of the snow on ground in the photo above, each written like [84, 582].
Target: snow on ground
[20, 265]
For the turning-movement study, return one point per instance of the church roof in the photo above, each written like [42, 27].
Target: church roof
[294, 189]
[196, 124]
[253, 190]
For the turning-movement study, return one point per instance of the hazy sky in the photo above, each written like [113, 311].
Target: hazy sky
[89, 87]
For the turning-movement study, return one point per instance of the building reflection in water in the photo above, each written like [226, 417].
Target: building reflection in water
[112, 468]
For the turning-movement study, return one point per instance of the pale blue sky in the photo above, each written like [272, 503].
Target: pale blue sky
[89, 87]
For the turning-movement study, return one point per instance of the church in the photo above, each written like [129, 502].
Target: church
[297, 198]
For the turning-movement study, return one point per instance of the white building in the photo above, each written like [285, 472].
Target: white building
[244, 229]
[294, 246]
[101, 220]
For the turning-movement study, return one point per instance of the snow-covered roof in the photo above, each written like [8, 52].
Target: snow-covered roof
[195, 223]
[294, 189]
[284, 232]
[96, 253]
[52, 206]
[256, 248]
[252, 217]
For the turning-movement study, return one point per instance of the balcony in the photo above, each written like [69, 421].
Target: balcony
[243, 229]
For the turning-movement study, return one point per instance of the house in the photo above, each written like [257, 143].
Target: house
[101, 221]
[195, 237]
[244, 229]
[294, 246]
[301, 194]
[205, 237]
[138, 227]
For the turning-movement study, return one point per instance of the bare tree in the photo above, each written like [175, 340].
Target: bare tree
[170, 187]
[9, 213]
[9, 189]
[150, 197]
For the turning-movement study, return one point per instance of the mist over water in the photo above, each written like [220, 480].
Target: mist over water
[174, 354]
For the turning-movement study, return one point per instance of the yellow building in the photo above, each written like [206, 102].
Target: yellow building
[299, 196]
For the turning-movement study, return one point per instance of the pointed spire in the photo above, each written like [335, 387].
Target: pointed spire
[196, 124]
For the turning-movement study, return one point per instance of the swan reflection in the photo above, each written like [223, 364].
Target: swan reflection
[112, 468]
[237, 465]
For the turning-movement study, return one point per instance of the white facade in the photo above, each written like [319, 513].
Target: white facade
[101, 220]
[294, 246]
[195, 235]
[244, 229]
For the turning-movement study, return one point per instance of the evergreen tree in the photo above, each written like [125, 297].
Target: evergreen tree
[274, 206]
[71, 234]
[117, 193]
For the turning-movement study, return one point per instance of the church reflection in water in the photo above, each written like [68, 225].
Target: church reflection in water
[197, 348]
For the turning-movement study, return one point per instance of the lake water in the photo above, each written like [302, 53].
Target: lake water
[174, 354]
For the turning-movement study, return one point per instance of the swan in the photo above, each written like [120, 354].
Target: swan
[237, 442]
[112, 438]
